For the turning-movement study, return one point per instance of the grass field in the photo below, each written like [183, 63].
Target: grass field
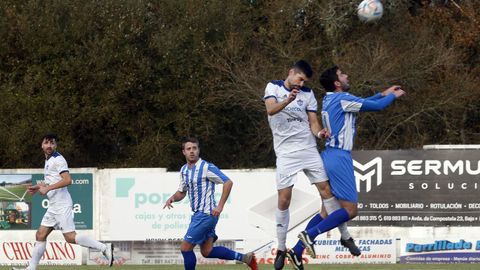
[270, 267]
[18, 190]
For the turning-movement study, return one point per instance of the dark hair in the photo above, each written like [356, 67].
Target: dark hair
[304, 67]
[191, 140]
[50, 137]
[328, 78]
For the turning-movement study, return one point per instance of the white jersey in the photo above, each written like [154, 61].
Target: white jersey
[54, 166]
[290, 127]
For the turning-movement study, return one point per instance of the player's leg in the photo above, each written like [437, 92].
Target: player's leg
[40, 246]
[209, 251]
[46, 227]
[201, 228]
[331, 205]
[189, 258]
[342, 183]
[89, 242]
[282, 218]
[313, 168]
[329, 202]
[67, 225]
[287, 168]
[294, 255]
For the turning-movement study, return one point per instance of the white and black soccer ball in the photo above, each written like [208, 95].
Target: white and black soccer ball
[370, 10]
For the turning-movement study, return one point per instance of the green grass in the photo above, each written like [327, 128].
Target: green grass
[269, 267]
[17, 190]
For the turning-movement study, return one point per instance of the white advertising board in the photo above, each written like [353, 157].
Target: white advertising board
[134, 203]
[18, 253]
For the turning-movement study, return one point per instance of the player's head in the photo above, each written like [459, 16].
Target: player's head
[298, 74]
[333, 79]
[49, 143]
[191, 149]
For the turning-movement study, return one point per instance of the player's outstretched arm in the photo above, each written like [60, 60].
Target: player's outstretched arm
[178, 196]
[386, 92]
[382, 103]
[227, 187]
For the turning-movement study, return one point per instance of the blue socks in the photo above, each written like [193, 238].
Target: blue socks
[189, 260]
[331, 221]
[225, 254]
[298, 248]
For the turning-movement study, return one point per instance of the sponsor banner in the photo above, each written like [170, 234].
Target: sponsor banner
[418, 188]
[153, 252]
[379, 251]
[15, 202]
[18, 253]
[21, 211]
[330, 251]
[135, 200]
[439, 251]
[81, 191]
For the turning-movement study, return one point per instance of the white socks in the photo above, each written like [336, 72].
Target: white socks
[37, 254]
[283, 218]
[86, 241]
[331, 205]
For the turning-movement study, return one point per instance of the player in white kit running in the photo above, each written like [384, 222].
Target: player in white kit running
[59, 215]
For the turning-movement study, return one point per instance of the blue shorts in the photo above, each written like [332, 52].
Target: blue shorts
[339, 166]
[202, 227]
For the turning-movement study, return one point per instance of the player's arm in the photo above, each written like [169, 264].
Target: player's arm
[178, 196]
[315, 126]
[33, 189]
[386, 92]
[66, 181]
[274, 107]
[381, 103]
[374, 97]
[227, 188]
[218, 177]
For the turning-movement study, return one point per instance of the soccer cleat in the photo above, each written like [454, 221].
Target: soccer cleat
[350, 244]
[279, 260]
[108, 253]
[295, 260]
[250, 260]
[307, 243]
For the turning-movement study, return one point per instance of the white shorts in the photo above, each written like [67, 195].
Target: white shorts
[306, 160]
[59, 218]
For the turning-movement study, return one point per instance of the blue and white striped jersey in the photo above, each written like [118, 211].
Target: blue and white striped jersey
[339, 115]
[199, 181]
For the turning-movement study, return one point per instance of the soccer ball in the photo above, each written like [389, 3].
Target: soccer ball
[370, 10]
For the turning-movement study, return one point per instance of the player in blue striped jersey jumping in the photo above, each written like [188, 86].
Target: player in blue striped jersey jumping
[198, 178]
[339, 113]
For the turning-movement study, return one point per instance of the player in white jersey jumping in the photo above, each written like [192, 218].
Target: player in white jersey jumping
[59, 215]
[198, 178]
[339, 112]
[292, 115]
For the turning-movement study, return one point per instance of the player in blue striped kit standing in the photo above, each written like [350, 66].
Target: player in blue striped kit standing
[339, 113]
[198, 178]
